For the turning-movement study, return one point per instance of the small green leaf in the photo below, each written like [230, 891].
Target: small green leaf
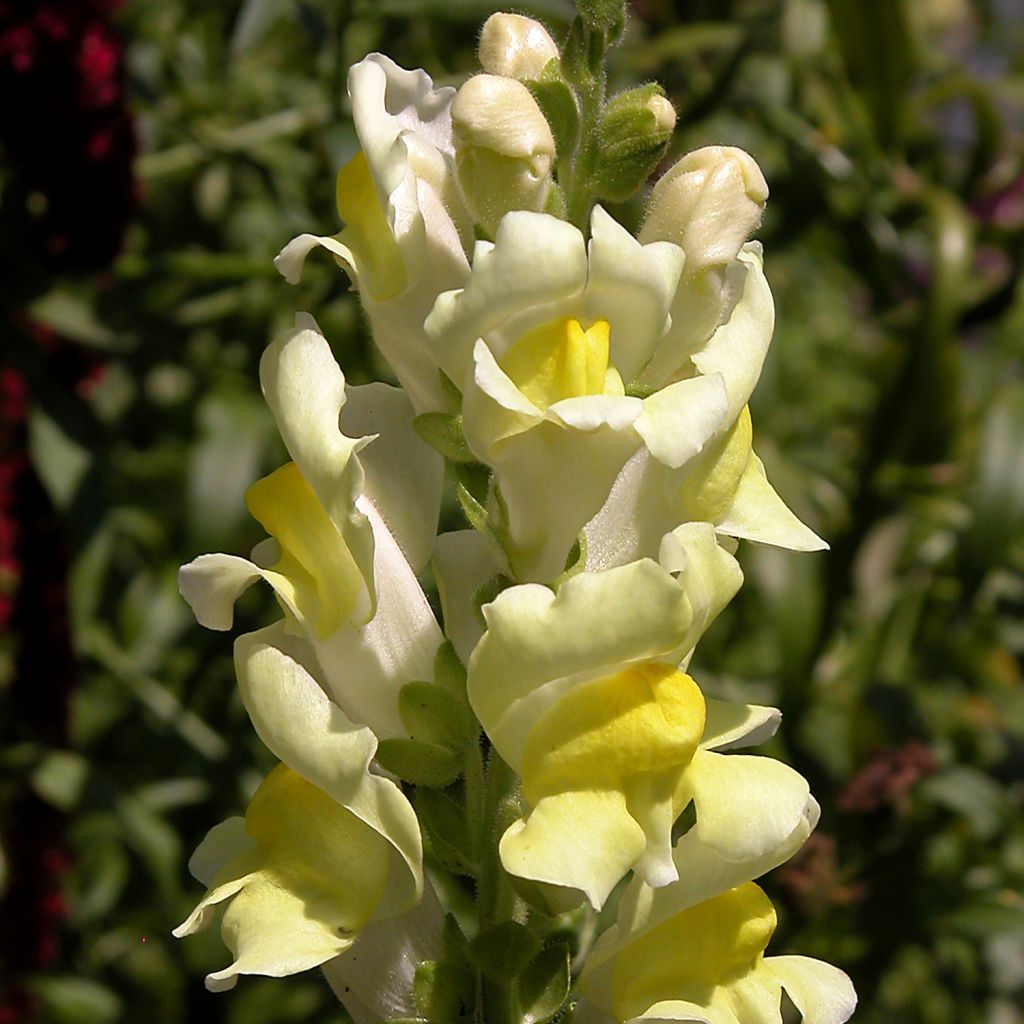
[422, 764]
[504, 949]
[444, 993]
[443, 432]
[436, 715]
[543, 985]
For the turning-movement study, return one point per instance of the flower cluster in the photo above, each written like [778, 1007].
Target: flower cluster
[587, 390]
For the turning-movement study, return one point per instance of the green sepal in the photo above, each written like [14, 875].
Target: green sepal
[453, 941]
[422, 764]
[542, 986]
[474, 512]
[576, 562]
[444, 826]
[504, 949]
[449, 391]
[443, 432]
[444, 993]
[472, 483]
[449, 672]
[434, 714]
[558, 104]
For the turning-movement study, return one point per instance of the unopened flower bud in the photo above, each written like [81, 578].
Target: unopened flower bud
[503, 149]
[709, 202]
[634, 133]
[515, 47]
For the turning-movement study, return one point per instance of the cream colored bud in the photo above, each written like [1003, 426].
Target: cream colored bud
[709, 202]
[515, 47]
[664, 113]
[503, 148]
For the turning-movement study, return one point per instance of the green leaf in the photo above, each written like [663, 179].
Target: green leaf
[543, 985]
[557, 102]
[443, 432]
[504, 949]
[59, 458]
[68, 1000]
[444, 993]
[434, 714]
[444, 822]
[422, 764]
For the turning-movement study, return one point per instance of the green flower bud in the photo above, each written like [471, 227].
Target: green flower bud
[503, 149]
[633, 135]
[709, 202]
[515, 47]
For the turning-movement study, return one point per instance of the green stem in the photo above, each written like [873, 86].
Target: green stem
[578, 192]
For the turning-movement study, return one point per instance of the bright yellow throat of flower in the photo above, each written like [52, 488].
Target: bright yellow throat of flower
[644, 721]
[560, 360]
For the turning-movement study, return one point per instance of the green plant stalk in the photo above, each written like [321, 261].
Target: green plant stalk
[578, 190]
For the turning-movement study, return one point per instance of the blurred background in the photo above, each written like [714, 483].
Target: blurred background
[156, 155]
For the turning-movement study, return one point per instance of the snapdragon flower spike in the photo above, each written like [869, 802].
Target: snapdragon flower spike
[694, 950]
[581, 694]
[542, 340]
[725, 484]
[350, 519]
[406, 223]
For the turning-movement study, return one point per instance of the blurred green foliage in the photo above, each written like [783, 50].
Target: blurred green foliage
[890, 415]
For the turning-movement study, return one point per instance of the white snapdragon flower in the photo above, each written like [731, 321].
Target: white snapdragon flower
[325, 847]
[694, 950]
[404, 216]
[542, 340]
[582, 695]
[350, 521]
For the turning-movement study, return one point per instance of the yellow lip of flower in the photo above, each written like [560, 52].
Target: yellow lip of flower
[316, 573]
[644, 720]
[562, 359]
[367, 232]
[305, 876]
[693, 952]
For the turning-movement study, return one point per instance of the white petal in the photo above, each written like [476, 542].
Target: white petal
[299, 724]
[679, 420]
[822, 993]
[305, 390]
[536, 259]
[738, 348]
[757, 513]
[746, 805]
[290, 260]
[374, 979]
[463, 561]
[212, 583]
[404, 476]
[728, 725]
[631, 286]
[364, 668]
